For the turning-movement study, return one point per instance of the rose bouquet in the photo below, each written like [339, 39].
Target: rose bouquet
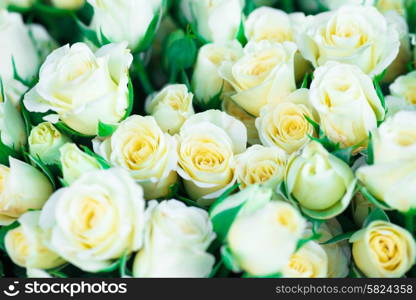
[200, 138]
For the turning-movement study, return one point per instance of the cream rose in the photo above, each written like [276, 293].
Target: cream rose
[215, 21]
[321, 183]
[74, 163]
[45, 141]
[284, 124]
[68, 4]
[16, 200]
[96, 220]
[171, 107]
[383, 249]
[25, 244]
[261, 165]
[125, 20]
[206, 80]
[276, 228]
[141, 147]
[19, 47]
[176, 243]
[264, 74]
[357, 35]
[207, 144]
[347, 103]
[310, 261]
[83, 88]
[405, 87]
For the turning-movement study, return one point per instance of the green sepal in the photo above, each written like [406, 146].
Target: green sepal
[106, 130]
[376, 214]
[228, 259]
[370, 198]
[241, 35]
[101, 160]
[39, 164]
[338, 238]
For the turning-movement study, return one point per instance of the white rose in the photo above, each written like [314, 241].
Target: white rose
[141, 147]
[215, 21]
[19, 47]
[68, 4]
[12, 126]
[22, 188]
[125, 20]
[177, 238]
[320, 182]
[398, 6]
[75, 163]
[395, 139]
[383, 249]
[96, 220]
[206, 80]
[83, 88]
[25, 244]
[261, 165]
[171, 107]
[45, 141]
[207, 144]
[347, 103]
[310, 261]
[264, 74]
[399, 65]
[357, 35]
[263, 241]
[284, 124]
[405, 87]
[13, 90]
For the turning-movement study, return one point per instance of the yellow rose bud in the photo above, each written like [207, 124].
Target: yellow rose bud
[347, 103]
[22, 187]
[383, 249]
[45, 141]
[310, 261]
[171, 107]
[353, 34]
[321, 183]
[284, 124]
[265, 73]
[75, 163]
[261, 165]
[26, 245]
[141, 147]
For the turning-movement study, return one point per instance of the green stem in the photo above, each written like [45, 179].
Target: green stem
[185, 79]
[143, 76]
[410, 223]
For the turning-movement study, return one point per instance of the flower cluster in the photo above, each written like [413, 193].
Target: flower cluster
[200, 138]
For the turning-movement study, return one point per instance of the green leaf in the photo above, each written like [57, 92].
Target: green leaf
[241, 35]
[43, 167]
[222, 222]
[378, 203]
[65, 129]
[26, 117]
[339, 238]
[302, 242]
[63, 182]
[16, 75]
[151, 31]
[123, 265]
[229, 260]
[106, 130]
[224, 196]
[101, 160]
[189, 202]
[249, 7]
[214, 103]
[376, 214]
[370, 150]
[181, 54]
[4, 230]
[345, 154]
[306, 80]
[103, 39]
[216, 268]
[6, 152]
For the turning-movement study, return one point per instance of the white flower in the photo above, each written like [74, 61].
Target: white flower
[25, 244]
[125, 20]
[405, 87]
[141, 147]
[83, 88]
[12, 126]
[171, 107]
[96, 220]
[347, 103]
[357, 35]
[22, 188]
[177, 238]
